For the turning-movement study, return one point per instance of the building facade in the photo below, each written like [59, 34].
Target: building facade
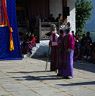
[28, 10]
[58, 6]
[18, 16]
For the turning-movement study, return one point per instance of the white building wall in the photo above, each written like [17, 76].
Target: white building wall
[71, 18]
[55, 7]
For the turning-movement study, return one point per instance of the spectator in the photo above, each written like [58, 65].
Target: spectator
[93, 53]
[51, 18]
[59, 18]
[88, 43]
[77, 47]
[31, 43]
[82, 46]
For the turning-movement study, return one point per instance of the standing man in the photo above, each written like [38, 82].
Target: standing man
[88, 44]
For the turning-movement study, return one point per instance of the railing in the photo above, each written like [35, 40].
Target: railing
[44, 28]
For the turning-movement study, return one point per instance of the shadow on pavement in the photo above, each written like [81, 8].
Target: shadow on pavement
[26, 72]
[85, 66]
[76, 84]
[38, 78]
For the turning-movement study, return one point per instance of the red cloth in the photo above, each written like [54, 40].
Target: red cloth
[53, 36]
[2, 17]
[71, 42]
[33, 41]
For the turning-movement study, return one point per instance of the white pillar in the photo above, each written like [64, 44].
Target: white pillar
[71, 18]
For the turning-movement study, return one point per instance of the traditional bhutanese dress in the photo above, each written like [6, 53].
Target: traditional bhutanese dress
[69, 43]
[53, 56]
[61, 56]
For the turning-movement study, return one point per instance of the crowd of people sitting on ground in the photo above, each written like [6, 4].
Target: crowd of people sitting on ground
[28, 44]
[84, 48]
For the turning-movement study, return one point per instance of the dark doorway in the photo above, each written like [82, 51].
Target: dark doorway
[28, 14]
[22, 19]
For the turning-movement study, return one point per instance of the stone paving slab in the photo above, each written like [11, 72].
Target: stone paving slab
[28, 77]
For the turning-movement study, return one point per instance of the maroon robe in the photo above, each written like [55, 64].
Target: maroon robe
[54, 47]
[65, 67]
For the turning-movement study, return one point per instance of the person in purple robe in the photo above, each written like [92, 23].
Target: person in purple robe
[69, 45]
[61, 56]
[65, 63]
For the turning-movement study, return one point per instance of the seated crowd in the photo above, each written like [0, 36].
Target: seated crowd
[84, 48]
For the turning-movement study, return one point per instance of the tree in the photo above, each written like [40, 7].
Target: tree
[83, 13]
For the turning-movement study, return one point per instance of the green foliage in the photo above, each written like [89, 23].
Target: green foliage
[83, 13]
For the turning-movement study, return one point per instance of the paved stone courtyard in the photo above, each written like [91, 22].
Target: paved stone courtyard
[28, 77]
